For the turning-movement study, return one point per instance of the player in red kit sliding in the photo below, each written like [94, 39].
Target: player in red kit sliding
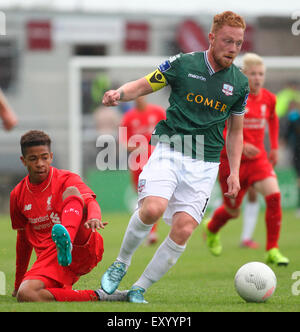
[141, 120]
[57, 215]
[256, 166]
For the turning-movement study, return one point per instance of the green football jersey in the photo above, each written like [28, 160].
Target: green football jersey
[201, 100]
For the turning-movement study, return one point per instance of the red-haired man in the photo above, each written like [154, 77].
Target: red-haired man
[176, 183]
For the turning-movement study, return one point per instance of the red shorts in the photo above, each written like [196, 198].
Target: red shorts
[84, 259]
[251, 171]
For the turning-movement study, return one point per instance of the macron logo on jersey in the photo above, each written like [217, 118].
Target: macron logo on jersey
[197, 77]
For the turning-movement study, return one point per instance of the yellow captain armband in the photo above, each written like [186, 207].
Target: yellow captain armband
[157, 80]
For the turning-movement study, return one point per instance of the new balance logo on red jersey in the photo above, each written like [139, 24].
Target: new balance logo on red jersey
[55, 218]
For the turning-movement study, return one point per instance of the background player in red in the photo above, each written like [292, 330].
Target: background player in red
[54, 205]
[256, 166]
[141, 120]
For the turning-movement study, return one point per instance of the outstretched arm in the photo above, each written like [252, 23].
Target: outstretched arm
[94, 218]
[128, 91]
[134, 89]
[6, 113]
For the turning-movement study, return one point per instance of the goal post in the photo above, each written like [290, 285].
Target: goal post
[78, 64]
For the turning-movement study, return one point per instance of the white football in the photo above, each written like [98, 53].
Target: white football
[255, 282]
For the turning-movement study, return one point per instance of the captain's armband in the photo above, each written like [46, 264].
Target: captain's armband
[157, 80]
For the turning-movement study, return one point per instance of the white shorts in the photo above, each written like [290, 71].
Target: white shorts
[185, 182]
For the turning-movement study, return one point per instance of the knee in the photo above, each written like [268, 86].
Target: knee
[71, 191]
[182, 228]
[184, 233]
[25, 295]
[151, 211]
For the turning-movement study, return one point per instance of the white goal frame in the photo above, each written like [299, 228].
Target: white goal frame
[77, 64]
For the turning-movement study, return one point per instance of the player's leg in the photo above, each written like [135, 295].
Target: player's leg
[34, 290]
[85, 258]
[230, 209]
[250, 216]
[166, 255]
[70, 295]
[57, 286]
[139, 226]
[269, 188]
[157, 183]
[212, 227]
[184, 213]
[64, 234]
[151, 209]
[221, 215]
[72, 214]
[152, 237]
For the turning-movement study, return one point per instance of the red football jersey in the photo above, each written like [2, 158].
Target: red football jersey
[36, 208]
[260, 110]
[142, 122]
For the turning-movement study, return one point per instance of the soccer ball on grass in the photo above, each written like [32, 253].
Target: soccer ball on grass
[255, 282]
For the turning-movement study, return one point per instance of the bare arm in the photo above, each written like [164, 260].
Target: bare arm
[94, 218]
[23, 254]
[128, 91]
[6, 113]
[234, 147]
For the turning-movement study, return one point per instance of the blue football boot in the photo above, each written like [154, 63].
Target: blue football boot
[62, 239]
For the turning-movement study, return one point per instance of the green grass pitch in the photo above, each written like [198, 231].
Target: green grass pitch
[198, 282]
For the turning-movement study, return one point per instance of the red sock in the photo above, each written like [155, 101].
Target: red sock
[70, 295]
[219, 219]
[71, 215]
[273, 220]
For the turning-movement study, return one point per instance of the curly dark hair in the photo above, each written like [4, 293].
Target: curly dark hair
[34, 138]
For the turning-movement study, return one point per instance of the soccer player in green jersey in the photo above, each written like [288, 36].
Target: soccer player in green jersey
[176, 183]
